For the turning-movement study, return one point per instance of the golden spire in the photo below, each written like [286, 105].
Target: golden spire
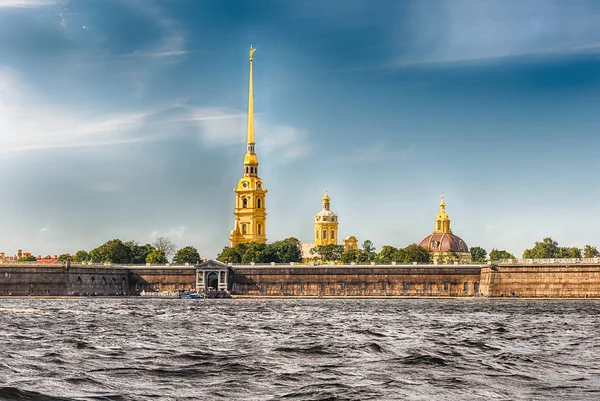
[442, 205]
[442, 221]
[326, 200]
[251, 107]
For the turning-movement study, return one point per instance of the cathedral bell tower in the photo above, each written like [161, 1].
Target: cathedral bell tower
[250, 211]
[326, 224]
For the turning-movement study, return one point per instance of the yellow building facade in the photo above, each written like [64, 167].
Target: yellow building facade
[326, 224]
[250, 210]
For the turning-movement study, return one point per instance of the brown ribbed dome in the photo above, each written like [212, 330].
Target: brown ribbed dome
[444, 242]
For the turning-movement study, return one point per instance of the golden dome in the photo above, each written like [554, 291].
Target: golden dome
[250, 158]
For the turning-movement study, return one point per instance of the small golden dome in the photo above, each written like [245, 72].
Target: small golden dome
[250, 158]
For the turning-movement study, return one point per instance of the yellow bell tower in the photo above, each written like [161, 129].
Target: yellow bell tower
[442, 221]
[250, 211]
[326, 224]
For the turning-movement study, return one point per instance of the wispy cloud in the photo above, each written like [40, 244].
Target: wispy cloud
[221, 127]
[26, 3]
[30, 123]
[44, 229]
[480, 31]
[174, 234]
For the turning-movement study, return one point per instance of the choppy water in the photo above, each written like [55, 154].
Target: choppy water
[130, 349]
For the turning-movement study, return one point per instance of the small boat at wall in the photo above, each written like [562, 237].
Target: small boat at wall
[191, 295]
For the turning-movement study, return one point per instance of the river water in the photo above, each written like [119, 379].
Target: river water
[312, 349]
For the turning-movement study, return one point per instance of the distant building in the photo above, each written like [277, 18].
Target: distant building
[20, 255]
[326, 230]
[442, 243]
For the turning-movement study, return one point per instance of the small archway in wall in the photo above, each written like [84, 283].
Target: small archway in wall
[212, 280]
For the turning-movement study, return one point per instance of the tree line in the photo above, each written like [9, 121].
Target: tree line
[290, 250]
[544, 249]
[131, 252]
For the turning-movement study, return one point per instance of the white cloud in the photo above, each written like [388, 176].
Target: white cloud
[44, 229]
[220, 127]
[26, 3]
[173, 234]
[474, 30]
[176, 233]
[29, 123]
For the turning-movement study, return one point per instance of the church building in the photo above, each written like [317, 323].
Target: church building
[250, 194]
[326, 230]
[442, 243]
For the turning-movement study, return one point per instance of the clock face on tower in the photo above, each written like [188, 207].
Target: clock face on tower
[245, 185]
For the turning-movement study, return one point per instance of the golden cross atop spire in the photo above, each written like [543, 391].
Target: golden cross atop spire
[252, 50]
[325, 189]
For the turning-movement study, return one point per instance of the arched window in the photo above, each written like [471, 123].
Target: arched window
[113, 281]
[251, 170]
[324, 234]
[246, 170]
[332, 234]
[79, 280]
[439, 225]
[93, 280]
[466, 287]
[259, 229]
[244, 203]
[103, 281]
[243, 229]
[258, 203]
[123, 281]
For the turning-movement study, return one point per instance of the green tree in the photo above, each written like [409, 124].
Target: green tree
[496, 254]
[138, 253]
[64, 257]
[157, 257]
[478, 254]
[286, 251]
[415, 253]
[187, 254]
[28, 258]
[114, 251]
[590, 252]
[367, 253]
[256, 252]
[350, 255]
[569, 252]
[388, 254]
[548, 248]
[328, 253]
[81, 256]
[230, 255]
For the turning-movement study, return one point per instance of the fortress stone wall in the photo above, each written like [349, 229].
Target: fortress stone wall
[550, 280]
[385, 280]
[531, 280]
[60, 280]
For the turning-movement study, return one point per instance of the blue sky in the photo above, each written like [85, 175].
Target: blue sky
[127, 119]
